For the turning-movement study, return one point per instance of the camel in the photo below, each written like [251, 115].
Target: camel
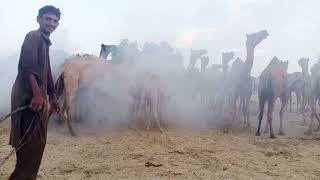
[226, 58]
[194, 56]
[315, 95]
[68, 81]
[244, 92]
[236, 81]
[209, 78]
[80, 72]
[272, 85]
[150, 98]
[106, 50]
[215, 101]
[304, 64]
[296, 87]
[204, 61]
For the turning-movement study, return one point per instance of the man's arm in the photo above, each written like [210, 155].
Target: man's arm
[51, 91]
[31, 69]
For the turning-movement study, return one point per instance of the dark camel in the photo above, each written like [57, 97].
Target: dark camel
[239, 77]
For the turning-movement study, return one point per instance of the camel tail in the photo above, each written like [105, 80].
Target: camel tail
[59, 85]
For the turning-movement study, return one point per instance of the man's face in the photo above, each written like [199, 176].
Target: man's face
[48, 22]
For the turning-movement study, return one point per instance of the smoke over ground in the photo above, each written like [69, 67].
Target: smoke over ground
[107, 102]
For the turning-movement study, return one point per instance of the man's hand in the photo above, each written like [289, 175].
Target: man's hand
[54, 103]
[37, 103]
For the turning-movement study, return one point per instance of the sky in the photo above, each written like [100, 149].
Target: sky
[217, 25]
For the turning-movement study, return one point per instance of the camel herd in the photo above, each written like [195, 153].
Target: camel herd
[225, 91]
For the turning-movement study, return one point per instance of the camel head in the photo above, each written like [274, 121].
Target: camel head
[204, 61]
[303, 63]
[124, 43]
[227, 57]
[254, 39]
[274, 60]
[285, 65]
[315, 69]
[106, 50]
[195, 54]
[198, 53]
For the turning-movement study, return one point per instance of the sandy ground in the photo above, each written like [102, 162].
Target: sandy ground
[177, 154]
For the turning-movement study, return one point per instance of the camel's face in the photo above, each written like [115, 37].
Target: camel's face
[195, 54]
[199, 52]
[227, 57]
[106, 50]
[255, 38]
[285, 65]
[303, 62]
[204, 61]
[315, 69]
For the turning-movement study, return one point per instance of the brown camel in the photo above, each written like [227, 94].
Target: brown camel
[272, 85]
[236, 82]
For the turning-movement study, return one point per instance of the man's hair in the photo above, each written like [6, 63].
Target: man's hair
[49, 9]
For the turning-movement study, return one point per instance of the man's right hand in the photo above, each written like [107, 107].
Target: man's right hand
[37, 103]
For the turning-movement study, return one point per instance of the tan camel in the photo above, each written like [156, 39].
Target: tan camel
[150, 101]
[68, 81]
[236, 82]
[272, 85]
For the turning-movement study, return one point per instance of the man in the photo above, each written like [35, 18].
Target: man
[31, 87]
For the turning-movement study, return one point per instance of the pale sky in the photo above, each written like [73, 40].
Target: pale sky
[217, 25]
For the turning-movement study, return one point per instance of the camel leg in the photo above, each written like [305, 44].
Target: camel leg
[234, 113]
[316, 115]
[261, 107]
[283, 105]
[242, 107]
[156, 112]
[290, 102]
[71, 130]
[298, 102]
[63, 112]
[148, 116]
[243, 111]
[303, 109]
[269, 116]
[313, 115]
[247, 106]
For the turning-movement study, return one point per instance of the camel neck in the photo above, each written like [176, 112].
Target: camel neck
[249, 60]
[305, 71]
